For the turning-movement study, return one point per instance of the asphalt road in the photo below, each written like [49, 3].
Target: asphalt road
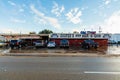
[59, 68]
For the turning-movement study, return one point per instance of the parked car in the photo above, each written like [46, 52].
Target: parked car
[51, 44]
[39, 43]
[87, 44]
[112, 42]
[15, 43]
[2, 44]
[118, 42]
[64, 43]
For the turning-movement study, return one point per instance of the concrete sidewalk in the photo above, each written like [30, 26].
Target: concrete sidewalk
[49, 54]
[55, 54]
[58, 54]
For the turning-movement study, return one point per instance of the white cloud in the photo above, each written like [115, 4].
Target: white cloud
[17, 8]
[11, 3]
[7, 30]
[57, 10]
[112, 24]
[17, 20]
[84, 8]
[40, 20]
[74, 16]
[13, 29]
[21, 10]
[107, 2]
[52, 21]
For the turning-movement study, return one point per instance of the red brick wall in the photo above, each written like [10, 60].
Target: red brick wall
[77, 42]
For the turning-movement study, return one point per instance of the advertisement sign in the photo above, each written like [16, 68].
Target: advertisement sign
[54, 36]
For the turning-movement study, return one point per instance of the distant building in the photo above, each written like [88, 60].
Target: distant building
[24, 36]
[115, 37]
[75, 39]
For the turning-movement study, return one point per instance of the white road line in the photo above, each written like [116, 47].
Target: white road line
[100, 72]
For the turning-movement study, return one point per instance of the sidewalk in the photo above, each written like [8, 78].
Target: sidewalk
[50, 54]
[59, 54]
[55, 54]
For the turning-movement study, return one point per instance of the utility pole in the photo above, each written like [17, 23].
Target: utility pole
[20, 34]
[100, 30]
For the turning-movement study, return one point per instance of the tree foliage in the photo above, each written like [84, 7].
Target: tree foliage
[75, 32]
[45, 31]
[32, 32]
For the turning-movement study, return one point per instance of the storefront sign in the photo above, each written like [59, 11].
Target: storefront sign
[54, 36]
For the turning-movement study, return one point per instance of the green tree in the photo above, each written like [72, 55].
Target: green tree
[32, 32]
[45, 31]
[75, 32]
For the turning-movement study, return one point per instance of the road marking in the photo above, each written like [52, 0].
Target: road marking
[99, 72]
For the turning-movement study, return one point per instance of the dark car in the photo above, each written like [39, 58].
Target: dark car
[64, 43]
[87, 44]
[16, 43]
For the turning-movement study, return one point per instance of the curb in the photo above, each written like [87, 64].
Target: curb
[54, 54]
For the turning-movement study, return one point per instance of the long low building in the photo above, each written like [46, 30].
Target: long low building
[25, 36]
[75, 39]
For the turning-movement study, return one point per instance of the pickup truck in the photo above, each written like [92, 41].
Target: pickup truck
[87, 44]
[64, 43]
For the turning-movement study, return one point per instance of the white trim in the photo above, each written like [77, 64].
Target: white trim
[77, 36]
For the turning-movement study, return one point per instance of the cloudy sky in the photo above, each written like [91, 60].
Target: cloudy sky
[59, 15]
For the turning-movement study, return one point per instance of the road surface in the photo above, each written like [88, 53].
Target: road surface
[59, 68]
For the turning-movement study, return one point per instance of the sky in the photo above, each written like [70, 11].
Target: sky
[24, 16]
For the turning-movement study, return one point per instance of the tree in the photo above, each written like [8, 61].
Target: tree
[32, 32]
[45, 31]
[75, 32]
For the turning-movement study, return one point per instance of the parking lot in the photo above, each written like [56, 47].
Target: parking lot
[106, 50]
[32, 49]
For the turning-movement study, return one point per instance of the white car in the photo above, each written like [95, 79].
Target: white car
[2, 44]
[39, 43]
[51, 44]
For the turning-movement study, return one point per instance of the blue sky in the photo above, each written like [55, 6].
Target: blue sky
[59, 15]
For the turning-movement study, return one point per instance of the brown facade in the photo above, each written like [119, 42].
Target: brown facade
[25, 36]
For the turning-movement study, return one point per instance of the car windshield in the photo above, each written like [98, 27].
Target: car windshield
[89, 41]
[64, 41]
[13, 41]
[39, 41]
[2, 41]
[51, 42]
